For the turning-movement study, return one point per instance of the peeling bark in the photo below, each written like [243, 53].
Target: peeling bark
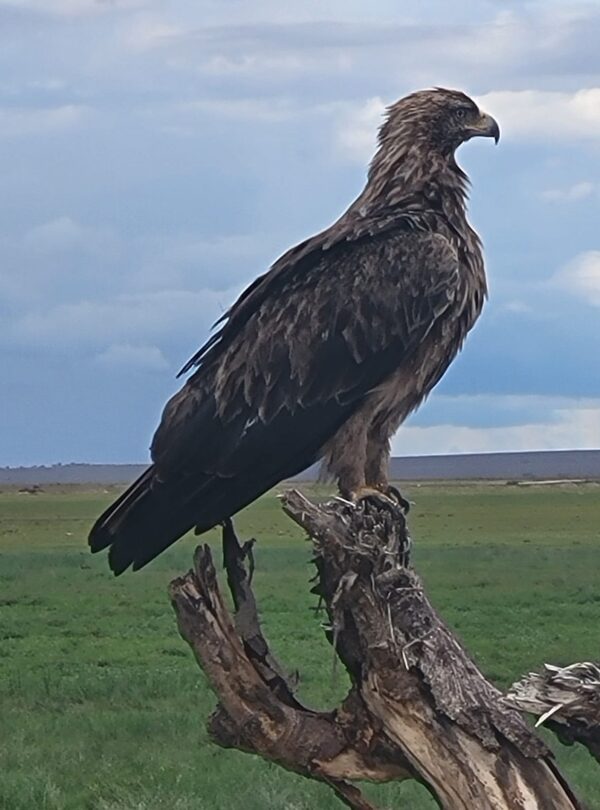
[418, 706]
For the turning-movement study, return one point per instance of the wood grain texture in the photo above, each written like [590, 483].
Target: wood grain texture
[418, 706]
[565, 700]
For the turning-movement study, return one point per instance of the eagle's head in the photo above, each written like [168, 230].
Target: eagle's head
[438, 119]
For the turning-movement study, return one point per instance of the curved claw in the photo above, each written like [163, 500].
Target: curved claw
[380, 500]
[394, 492]
[385, 509]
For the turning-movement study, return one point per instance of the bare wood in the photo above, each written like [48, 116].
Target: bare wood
[566, 699]
[247, 622]
[431, 699]
[419, 707]
[256, 718]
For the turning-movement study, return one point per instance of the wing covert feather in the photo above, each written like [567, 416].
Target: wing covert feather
[326, 327]
[319, 340]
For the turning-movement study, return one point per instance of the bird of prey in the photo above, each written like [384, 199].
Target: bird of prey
[326, 354]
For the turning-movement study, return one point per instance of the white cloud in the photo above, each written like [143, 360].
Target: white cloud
[578, 191]
[58, 233]
[420, 47]
[148, 32]
[92, 275]
[127, 355]
[518, 307]
[356, 134]
[543, 403]
[546, 115]
[573, 428]
[129, 319]
[269, 110]
[581, 277]
[64, 233]
[76, 8]
[58, 260]
[18, 121]
[242, 65]
[181, 260]
[46, 85]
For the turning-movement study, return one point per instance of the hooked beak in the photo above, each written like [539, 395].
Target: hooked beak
[486, 127]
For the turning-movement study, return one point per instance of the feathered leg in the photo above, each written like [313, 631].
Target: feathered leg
[377, 464]
[345, 456]
[357, 456]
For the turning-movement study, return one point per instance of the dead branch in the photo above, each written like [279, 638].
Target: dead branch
[566, 700]
[257, 711]
[418, 708]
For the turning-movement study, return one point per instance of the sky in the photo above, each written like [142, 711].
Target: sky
[155, 157]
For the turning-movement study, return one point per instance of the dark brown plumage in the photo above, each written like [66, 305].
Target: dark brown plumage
[327, 353]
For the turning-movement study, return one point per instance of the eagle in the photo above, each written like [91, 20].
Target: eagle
[326, 354]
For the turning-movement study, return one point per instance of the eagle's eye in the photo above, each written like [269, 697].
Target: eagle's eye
[460, 113]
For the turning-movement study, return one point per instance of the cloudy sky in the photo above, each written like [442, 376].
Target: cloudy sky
[156, 156]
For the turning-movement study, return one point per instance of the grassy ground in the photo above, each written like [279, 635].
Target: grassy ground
[102, 707]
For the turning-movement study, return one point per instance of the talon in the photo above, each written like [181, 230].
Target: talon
[385, 494]
[377, 498]
[367, 492]
[394, 492]
[346, 501]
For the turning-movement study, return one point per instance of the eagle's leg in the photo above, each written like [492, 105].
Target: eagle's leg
[345, 456]
[377, 461]
[358, 458]
[377, 465]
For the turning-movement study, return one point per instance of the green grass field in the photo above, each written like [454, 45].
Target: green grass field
[103, 708]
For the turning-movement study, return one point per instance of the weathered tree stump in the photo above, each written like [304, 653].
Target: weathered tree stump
[418, 706]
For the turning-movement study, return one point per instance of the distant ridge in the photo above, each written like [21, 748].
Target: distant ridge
[532, 466]
[539, 465]
[71, 474]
